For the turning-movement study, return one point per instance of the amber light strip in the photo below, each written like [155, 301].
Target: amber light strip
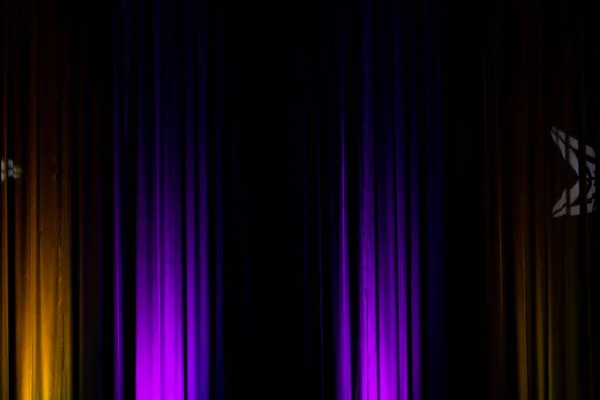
[4, 337]
[42, 217]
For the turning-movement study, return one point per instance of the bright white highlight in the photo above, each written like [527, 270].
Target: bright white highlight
[13, 170]
[569, 203]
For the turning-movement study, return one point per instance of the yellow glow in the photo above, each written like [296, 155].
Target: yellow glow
[4, 384]
[521, 292]
[43, 358]
[42, 282]
[540, 325]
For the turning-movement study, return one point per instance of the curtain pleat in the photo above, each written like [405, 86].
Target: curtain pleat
[326, 200]
[52, 275]
[161, 133]
[527, 133]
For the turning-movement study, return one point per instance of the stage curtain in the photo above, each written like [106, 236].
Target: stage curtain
[278, 200]
[526, 72]
[168, 302]
[222, 200]
[51, 233]
[335, 199]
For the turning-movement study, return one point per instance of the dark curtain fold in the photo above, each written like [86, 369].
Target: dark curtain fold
[524, 138]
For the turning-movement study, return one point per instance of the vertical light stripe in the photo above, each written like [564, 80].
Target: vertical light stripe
[344, 362]
[173, 308]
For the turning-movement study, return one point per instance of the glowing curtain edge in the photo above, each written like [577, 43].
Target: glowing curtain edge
[41, 269]
[120, 127]
[159, 334]
[42, 229]
[400, 167]
[172, 287]
[43, 275]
